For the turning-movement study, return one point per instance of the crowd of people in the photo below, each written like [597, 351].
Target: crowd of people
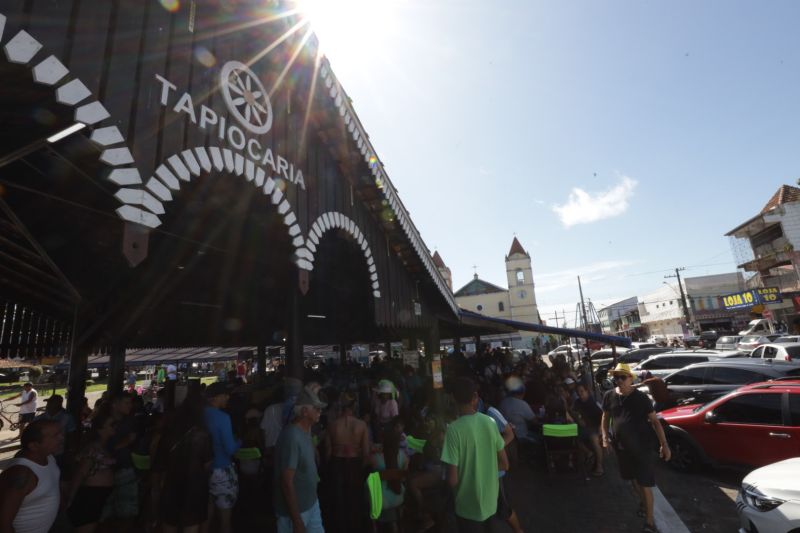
[347, 448]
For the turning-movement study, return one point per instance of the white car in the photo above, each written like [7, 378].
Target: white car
[788, 351]
[787, 338]
[770, 498]
[565, 349]
[728, 342]
[751, 342]
[663, 365]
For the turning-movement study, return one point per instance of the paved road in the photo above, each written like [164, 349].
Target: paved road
[704, 500]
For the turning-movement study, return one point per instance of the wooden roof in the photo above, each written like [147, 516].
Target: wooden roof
[166, 233]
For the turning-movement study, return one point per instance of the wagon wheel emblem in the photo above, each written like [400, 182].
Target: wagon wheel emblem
[245, 97]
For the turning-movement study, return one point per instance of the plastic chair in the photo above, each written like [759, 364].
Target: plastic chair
[561, 440]
[141, 462]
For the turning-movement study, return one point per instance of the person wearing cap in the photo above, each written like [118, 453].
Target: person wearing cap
[634, 422]
[223, 485]
[296, 477]
[386, 408]
[516, 410]
[54, 410]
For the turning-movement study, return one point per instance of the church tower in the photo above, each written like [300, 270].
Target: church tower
[443, 270]
[521, 293]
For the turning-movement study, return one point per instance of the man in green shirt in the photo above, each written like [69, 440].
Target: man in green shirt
[474, 452]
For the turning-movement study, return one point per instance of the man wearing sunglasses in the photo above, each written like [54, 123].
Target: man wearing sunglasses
[634, 422]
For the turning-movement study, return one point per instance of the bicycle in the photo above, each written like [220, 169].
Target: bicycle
[7, 410]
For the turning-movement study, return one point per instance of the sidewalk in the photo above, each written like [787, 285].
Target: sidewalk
[567, 503]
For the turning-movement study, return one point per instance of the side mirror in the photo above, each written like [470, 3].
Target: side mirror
[711, 417]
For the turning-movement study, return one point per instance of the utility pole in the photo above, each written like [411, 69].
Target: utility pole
[583, 306]
[683, 297]
[556, 317]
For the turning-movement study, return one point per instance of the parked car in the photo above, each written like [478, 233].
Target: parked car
[706, 339]
[704, 382]
[751, 342]
[605, 353]
[769, 499]
[787, 338]
[565, 350]
[728, 342]
[640, 345]
[631, 357]
[665, 364]
[754, 425]
[779, 352]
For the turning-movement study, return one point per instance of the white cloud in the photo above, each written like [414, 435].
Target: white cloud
[583, 207]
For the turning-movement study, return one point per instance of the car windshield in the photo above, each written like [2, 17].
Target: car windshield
[726, 340]
[750, 338]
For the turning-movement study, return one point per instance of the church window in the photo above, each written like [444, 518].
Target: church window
[501, 307]
[520, 277]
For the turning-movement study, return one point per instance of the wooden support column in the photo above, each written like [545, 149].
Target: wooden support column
[387, 347]
[456, 344]
[294, 339]
[116, 369]
[342, 354]
[432, 341]
[76, 380]
[477, 344]
[261, 358]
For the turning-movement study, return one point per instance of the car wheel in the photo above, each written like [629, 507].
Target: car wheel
[684, 455]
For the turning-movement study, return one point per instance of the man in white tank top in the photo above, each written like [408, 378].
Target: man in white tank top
[29, 490]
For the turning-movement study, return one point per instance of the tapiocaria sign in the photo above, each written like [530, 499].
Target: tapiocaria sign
[248, 103]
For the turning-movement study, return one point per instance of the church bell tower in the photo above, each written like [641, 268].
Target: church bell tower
[522, 297]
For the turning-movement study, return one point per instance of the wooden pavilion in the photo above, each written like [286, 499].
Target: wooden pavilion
[193, 174]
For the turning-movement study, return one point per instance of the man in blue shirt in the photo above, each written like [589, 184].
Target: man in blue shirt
[224, 483]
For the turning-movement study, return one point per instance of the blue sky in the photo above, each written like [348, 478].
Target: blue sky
[676, 120]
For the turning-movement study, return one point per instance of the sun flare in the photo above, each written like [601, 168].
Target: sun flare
[350, 30]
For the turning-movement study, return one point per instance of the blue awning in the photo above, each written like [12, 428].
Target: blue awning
[538, 328]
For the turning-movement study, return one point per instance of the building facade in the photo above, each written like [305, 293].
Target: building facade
[611, 317]
[663, 315]
[765, 248]
[515, 302]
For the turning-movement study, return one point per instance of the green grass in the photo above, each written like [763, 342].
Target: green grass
[45, 390]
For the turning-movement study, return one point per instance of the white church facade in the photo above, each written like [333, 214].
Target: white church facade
[516, 302]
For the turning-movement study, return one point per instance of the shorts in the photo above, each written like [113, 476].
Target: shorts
[123, 502]
[504, 510]
[311, 517]
[224, 487]
[465, 525]
[87, 506]
[27, 418]
[637, 465]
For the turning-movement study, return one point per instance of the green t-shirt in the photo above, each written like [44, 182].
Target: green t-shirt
[471, 444]
[295, 450]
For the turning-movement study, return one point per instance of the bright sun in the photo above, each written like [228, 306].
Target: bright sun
[349, 30]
